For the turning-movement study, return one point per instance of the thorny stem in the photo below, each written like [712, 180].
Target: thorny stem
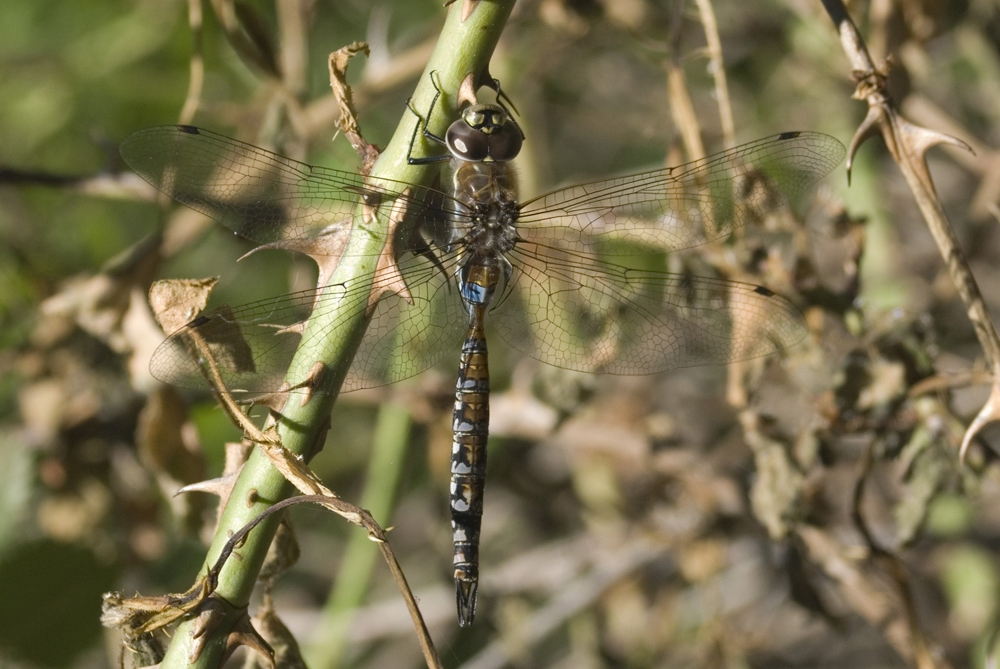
[907, 144]
[464, 47]
[909, 156]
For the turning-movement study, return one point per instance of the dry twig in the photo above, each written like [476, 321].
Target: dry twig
[908, 145]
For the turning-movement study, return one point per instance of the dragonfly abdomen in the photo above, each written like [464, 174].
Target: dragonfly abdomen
[471, 428]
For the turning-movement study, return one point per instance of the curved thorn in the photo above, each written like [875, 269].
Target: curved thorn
[220, 486]
[990, 413]
[921, 139]
[244, 634]
[867, 129]
[467, 90]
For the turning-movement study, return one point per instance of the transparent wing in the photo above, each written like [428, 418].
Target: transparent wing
[680, 207]
[260, 195]
[250, 347]
[574, 311]
[405, 338]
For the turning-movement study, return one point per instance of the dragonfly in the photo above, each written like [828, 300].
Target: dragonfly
[552, 272]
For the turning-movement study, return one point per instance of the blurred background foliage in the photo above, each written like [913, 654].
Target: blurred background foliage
[629, 522]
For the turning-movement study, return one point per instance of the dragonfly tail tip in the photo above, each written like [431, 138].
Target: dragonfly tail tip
[465, 595]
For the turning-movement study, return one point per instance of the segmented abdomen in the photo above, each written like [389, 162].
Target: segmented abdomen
[471, 424]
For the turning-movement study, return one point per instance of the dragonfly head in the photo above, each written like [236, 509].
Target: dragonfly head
[485, 132]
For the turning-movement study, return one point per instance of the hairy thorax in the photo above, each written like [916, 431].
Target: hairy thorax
[486, 216]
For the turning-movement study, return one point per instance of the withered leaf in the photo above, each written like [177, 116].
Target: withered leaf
[287, 654]
[348, 117]
[282, 554]
[176, 302]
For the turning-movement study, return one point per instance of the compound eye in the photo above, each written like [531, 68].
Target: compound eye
[505, 142]
[467, 143]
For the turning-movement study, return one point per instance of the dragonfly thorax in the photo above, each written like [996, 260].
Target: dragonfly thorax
[486, 207]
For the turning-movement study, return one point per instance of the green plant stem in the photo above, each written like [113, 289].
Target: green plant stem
[392, 432]
[463, 47]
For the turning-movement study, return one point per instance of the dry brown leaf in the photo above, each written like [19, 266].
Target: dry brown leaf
[287, 654]
[97, 304]
[176, 302]
[142, 335]
[348, 119]
[283, 553]
[168, 447]
[142, 614]
[166, 439]
[776, 494]
[226, 345]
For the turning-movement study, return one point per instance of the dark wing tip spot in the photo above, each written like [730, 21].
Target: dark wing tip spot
[789, 135]
[761, 290]
[189, 129]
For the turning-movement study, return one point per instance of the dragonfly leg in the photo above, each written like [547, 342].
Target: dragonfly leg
[422, 127]
[501, 97]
